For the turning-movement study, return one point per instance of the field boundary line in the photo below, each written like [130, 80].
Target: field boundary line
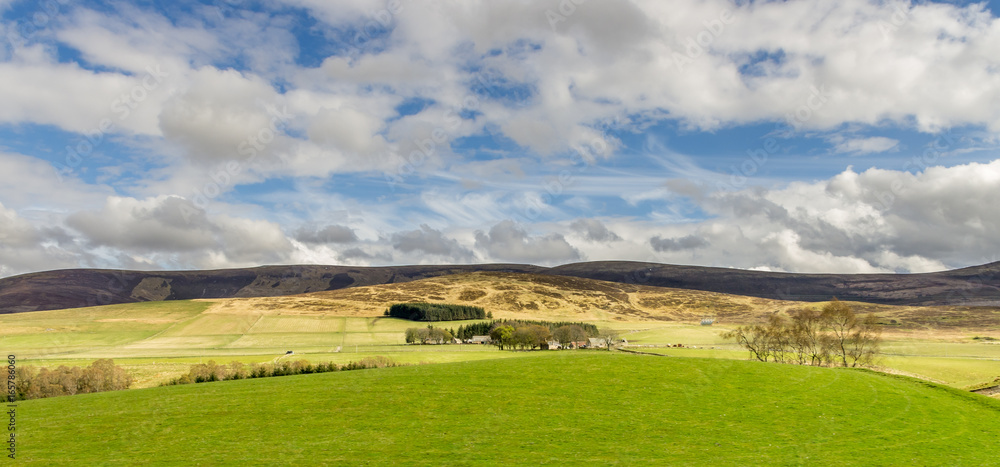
[643, 353]
[178, 323]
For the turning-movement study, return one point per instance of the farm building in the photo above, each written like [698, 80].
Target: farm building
[480, 340]
[596, 343]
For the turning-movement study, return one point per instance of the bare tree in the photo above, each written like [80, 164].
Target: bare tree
[609, 335]
[753, 338]
[807, 341]
[839, 319]
[834, 335]
[865, 341]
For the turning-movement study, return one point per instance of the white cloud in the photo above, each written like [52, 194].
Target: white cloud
[25, 247]
[327, 234]
[594, 230]
[431, 242]
[223, 116]
[614, 58]
[687, 242]
[873, 221]
[506, 241]
[63, 95]
[854, 222]
[177, 231]
[862, 146]
[30, 183]
[546, 88]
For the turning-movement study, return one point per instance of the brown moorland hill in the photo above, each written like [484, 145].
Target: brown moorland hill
[969, 287]
[561, 298]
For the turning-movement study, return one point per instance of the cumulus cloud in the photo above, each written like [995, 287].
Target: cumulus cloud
[14, 231]
[25, 247]
[507, 241]
[164, 223]
[876, 220]
[329, 234]
[688, 242]
[175, 227]
[538, 88]
[777, 61]
[83, 101]
[224, 116]
[594, 230]
[862, 146]
[432, 242]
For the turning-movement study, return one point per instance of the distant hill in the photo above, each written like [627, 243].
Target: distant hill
[975, 286]
[521, 296]
[73, 288]
[562, 298]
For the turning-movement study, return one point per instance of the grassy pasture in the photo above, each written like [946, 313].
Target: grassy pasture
[157, 341]
[545, 408]
[160, 340]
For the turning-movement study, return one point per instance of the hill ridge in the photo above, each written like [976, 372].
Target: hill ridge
[72, 288]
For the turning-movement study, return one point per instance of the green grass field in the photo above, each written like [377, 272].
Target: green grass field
[545, 408]
[157, 341]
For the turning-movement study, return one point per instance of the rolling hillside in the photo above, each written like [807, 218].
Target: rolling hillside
[158, 340]
[975, 286]
[592, 407]
[547, 297]
[74, 288]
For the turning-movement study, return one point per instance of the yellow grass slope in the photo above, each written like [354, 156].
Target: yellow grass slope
[546, 297]
[527, 296]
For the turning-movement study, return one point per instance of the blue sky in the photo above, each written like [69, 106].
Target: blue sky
[801, 136]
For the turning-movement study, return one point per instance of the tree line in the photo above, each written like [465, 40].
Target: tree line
[211, 371]
[483, 328]
[529, 335]
[834, 335]
[430, 334]
[420, 311]
[102, 375]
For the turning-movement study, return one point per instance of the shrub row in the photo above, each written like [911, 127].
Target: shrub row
[211, 371]
[37, 383]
